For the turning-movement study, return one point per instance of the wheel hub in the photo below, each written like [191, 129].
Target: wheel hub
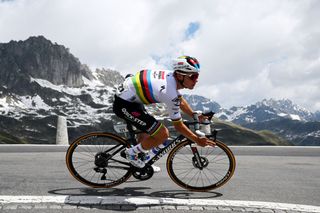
[204, 162]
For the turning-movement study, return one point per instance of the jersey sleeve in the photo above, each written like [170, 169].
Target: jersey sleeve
[173, 106]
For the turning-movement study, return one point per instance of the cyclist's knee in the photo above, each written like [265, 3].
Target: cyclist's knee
[162, 134]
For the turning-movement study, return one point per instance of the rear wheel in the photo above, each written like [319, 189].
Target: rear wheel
[94, 160]
[200, 168]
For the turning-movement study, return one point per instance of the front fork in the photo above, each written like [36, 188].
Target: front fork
[197, 160]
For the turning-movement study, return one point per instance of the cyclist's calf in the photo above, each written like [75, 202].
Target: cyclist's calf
[149, 141]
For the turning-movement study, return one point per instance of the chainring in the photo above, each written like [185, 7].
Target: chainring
[144, 173]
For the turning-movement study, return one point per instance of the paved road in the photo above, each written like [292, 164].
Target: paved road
[268, 174]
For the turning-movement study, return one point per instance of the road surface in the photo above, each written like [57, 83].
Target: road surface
[286, 175]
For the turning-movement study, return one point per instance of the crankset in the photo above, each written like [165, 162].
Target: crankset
[144, 173]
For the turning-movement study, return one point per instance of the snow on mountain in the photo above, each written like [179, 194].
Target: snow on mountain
[71, 103]
[282, 117]
[266, 110]
[201, 103]
[261, 111]
[285, 107]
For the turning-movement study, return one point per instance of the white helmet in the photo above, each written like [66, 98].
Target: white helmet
[186, 64]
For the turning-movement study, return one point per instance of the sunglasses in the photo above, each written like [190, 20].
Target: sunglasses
[193, 77]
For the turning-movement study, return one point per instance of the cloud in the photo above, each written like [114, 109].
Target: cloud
[248, 50]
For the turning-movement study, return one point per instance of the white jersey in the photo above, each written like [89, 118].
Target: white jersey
[153, 86]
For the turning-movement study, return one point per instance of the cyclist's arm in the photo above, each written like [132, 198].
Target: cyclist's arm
[185, 131]
[174, 107]
[185, 107]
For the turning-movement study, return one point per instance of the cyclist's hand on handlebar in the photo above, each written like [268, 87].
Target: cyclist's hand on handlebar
[205, 142]
[202, 118]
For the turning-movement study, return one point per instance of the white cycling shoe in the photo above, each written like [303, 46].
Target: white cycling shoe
[134, 160]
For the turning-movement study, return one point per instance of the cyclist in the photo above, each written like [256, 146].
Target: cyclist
[158, 86]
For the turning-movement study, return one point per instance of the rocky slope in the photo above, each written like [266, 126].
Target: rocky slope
[40, 80]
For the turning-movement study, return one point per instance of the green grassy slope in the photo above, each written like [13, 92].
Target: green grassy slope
[5, 138]
[233, 134]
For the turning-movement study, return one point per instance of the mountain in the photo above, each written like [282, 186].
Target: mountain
[282, 117]
[41, 80]
[235, 134]
[38, 58]
[267, 110]
[297, 132]
[201, 103]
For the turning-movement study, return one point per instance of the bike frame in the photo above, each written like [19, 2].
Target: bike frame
[166, 149]
[131, 140]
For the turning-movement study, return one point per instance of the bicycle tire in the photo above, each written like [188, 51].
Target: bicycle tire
[220, 159]
[81, 160]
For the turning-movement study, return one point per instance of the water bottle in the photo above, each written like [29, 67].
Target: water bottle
[205, 127]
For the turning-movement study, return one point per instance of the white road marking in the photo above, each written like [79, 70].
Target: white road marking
[139, 201]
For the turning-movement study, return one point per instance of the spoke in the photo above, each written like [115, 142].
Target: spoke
[81, 164]
[119, 161]
[110, 174]
[219, 154]
[201, 177]
[185, 160]
[215, 171]
[85, 154]
[192, 177]
[188, 172]
[208, 179]
[94, 173]
[89, 171]
[83, 159]
[225, 158]
[86, 150]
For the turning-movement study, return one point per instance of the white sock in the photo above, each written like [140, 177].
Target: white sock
[137, 149]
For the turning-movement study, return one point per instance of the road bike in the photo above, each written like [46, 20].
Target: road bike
[95, 159]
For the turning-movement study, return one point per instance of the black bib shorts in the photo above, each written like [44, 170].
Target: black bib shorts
[136, 114]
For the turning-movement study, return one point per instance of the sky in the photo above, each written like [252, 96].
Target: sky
[249, 50]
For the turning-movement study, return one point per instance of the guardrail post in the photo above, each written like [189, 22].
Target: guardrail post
[62, 131]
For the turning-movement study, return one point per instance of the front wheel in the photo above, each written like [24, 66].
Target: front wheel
[198, 168]
[94, 160]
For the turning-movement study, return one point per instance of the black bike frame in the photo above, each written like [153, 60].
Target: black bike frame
[166, 149]
[132, 141]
